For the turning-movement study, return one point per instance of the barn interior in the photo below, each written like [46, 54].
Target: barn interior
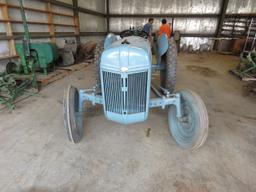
[47, 46]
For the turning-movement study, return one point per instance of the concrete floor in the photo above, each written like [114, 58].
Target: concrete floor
[37, 157]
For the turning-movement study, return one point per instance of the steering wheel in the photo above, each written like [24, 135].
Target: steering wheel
[132, 32]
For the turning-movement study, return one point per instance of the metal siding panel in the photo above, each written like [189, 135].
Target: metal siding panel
[164, 7]
[4, 48]
[95, 5]
[185, 25]
[92, 23]
[238, 6]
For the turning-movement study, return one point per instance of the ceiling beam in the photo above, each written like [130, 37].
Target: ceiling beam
[108, 15]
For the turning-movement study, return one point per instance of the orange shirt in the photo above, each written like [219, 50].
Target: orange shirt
[165, 29]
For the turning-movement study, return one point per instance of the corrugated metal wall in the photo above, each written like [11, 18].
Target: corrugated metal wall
[241, 6]
[91, 23]
[88, 23]
[164, 6]
[184, 25]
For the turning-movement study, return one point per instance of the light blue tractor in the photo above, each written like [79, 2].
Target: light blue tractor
[126, 90]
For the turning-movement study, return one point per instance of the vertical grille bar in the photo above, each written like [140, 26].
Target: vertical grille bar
[113, 92]
[131, 99]
[137, 92]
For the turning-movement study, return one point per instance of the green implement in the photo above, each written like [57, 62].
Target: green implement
[247, 67]
[10, 90]
[248, 63]
[42, 56]
[34, 56]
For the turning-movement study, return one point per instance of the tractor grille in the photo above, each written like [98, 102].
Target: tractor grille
[125, 94]
[112, 83]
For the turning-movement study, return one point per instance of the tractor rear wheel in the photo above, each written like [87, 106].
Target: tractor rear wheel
[168, 75]
[73, 118]
[97, 56]
[191, 130]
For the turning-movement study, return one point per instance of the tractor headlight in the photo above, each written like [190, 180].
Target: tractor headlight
[124, 69]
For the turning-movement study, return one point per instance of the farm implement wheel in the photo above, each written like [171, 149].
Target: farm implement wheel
[191, 130]
[73, 118]
[168, 76]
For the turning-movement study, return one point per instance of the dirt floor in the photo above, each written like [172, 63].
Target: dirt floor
[36, 155]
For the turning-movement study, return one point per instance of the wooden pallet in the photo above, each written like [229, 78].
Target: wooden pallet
[60, 72]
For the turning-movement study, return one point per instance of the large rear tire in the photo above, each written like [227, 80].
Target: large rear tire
[190, 131]
[168, 76]
[73, 118]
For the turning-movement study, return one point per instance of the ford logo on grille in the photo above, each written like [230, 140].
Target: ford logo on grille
[124, 69]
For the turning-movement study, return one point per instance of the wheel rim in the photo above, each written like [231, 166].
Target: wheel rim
[191, 130]
[187, 125]
[184, 131]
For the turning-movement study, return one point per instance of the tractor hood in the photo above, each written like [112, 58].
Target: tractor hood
[126, 55]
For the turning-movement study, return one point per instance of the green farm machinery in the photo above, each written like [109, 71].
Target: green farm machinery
[33, 57]
[247, 65]
[246, 69]
[10, 89]
[41, 57]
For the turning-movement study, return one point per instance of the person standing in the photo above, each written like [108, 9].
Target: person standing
[165, 28]
[148, 28]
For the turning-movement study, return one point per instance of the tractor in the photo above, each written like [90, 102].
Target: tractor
[126, 90]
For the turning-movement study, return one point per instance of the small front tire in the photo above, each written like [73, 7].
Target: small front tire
[191, 130]
[73, 118]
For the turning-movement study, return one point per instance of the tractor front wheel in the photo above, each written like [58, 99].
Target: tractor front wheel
[191, 130]
[73, 118]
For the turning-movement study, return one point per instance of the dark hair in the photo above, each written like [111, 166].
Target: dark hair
[150, 19]
[164, 21]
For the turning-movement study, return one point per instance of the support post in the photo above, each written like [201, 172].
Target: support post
[172, 24]
[223, 10]
[108, 16]
[76, 21]
[50, 21]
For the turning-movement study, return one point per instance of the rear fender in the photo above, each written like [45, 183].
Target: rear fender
[162, 45]
[109, 40]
